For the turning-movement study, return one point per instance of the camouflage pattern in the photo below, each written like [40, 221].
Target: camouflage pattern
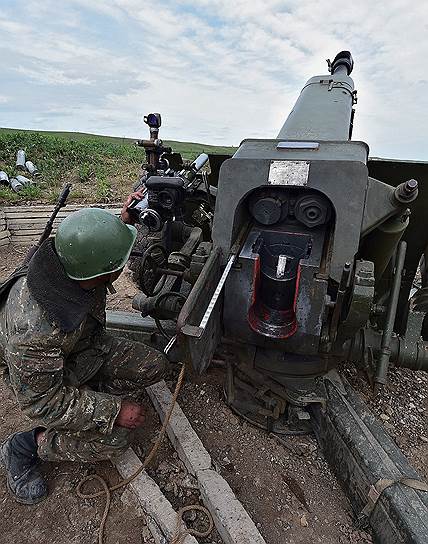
[72, 383]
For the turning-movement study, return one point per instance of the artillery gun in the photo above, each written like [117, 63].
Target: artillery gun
[304, 265]
[310, 259]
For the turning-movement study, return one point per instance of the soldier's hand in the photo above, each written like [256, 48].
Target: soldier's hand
[124, 214]
[131, 415]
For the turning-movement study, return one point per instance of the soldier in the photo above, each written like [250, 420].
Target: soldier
[81, 386]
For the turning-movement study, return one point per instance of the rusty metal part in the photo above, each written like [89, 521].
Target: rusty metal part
[296, 489]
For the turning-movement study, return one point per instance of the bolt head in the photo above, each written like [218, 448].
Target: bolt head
[312, 211]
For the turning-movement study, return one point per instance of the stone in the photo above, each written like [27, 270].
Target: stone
[231, 519]
[182, 435]
[190, 482]
[233, 420]
[151, 499]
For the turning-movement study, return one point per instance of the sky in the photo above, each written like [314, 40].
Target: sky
[219, 71]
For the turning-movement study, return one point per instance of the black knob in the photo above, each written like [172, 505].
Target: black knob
[344, 58]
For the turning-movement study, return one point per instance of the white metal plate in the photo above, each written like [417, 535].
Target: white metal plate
[298, 145]
[293, 173]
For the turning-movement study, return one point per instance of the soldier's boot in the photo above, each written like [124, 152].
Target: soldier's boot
[18, 455]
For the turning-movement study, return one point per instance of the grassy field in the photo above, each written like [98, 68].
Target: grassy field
[101, 168]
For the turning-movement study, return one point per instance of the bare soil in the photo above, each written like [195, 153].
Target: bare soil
[256, 466]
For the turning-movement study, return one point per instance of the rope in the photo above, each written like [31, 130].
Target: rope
[179, 534]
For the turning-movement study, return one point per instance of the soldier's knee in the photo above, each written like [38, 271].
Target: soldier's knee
[159, 368]
[152, 369]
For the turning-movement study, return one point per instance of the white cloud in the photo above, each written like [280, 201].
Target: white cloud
[4, 99]
[219, 71]
[50, 76]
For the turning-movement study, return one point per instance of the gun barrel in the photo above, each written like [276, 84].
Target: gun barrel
[323, 110]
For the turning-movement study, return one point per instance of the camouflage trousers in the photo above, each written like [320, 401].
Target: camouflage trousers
[128, 368]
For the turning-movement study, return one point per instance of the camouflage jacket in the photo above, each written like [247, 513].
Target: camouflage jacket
[47, 367]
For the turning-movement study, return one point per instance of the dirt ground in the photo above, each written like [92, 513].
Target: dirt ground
[256, 466]
[403, 409]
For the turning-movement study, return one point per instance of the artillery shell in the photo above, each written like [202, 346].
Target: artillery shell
[23, 180]
[4, 178]
[16, 186]
[20, 159]
[31, 168]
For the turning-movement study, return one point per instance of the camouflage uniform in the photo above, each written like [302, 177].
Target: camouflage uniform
[72, 383]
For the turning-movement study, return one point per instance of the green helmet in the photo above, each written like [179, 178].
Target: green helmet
[92, 242]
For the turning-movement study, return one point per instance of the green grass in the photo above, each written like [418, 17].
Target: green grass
[101, 168]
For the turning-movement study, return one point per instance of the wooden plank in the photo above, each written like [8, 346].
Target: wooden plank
[15, 224]
[48, 209]
[27, 242]
[28, 214]
[23, 221]
[4, 234]
[68, 206]
[22, 233]
[26, 224]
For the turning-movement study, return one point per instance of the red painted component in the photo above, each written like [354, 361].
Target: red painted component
[266, 321]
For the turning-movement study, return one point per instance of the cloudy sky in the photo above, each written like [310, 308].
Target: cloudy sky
[218, 70]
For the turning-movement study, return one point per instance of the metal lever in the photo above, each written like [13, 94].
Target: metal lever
[385, 349]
